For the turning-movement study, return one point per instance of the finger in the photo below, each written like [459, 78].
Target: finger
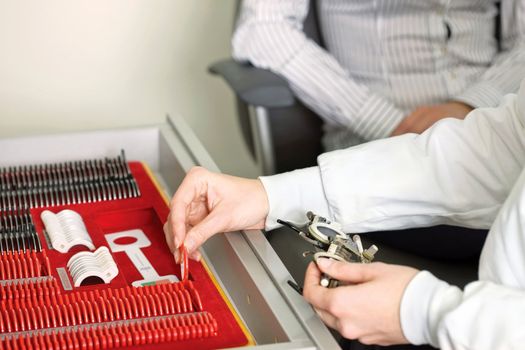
[328, 319]
[312, 276]
[180, 206]
[176, 256]
[196, 255]
[404, 126]
[196, 212]
[407, 124]
[313, 292]
[400, 129]
[168, 235]
[347, 272]
[425, 122]
[198, 234]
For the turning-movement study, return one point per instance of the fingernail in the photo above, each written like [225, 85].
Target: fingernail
[176, 255]
[196, 255]
[189, 244]
[324, 263]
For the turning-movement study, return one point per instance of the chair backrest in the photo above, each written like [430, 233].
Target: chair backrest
[311, 24]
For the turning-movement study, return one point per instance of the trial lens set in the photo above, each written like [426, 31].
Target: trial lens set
[70, 278]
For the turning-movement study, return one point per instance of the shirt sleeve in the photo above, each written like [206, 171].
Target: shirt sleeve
[269, 35]
[484, 315]
[508, 67]
[487, 314]
[457, 172]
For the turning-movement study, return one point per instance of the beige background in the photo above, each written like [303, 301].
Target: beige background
[77, 65]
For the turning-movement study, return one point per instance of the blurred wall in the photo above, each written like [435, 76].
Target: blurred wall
[76, 65]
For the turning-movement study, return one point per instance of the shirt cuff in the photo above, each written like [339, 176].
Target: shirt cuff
[292, 194]
[425, 302]
[377, 118]
[481, 95]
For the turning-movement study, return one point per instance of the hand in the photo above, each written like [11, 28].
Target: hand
[368, 307]
[424, 117]
[207, 203]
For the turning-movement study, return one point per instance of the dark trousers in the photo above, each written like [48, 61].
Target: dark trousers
[354, 345]
[449, 243]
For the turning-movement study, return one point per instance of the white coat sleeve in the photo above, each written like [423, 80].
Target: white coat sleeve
[489, 313]
[457, 172]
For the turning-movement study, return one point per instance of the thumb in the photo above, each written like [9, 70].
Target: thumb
[199, 233]
[346, 271]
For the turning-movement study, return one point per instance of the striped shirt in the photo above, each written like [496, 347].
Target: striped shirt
[384, 58]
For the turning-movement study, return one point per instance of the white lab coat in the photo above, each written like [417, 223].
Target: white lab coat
[468, 173]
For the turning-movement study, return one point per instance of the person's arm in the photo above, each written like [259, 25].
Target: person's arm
[488, 314]
[484, 315]
[457, 172]
[389, 304]
[508, 67]
[502, 77]
[269, 35]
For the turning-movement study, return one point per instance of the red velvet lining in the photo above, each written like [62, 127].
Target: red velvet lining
[148, 213]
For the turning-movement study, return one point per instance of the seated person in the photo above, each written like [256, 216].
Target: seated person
[389, 67]
[463, 172]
